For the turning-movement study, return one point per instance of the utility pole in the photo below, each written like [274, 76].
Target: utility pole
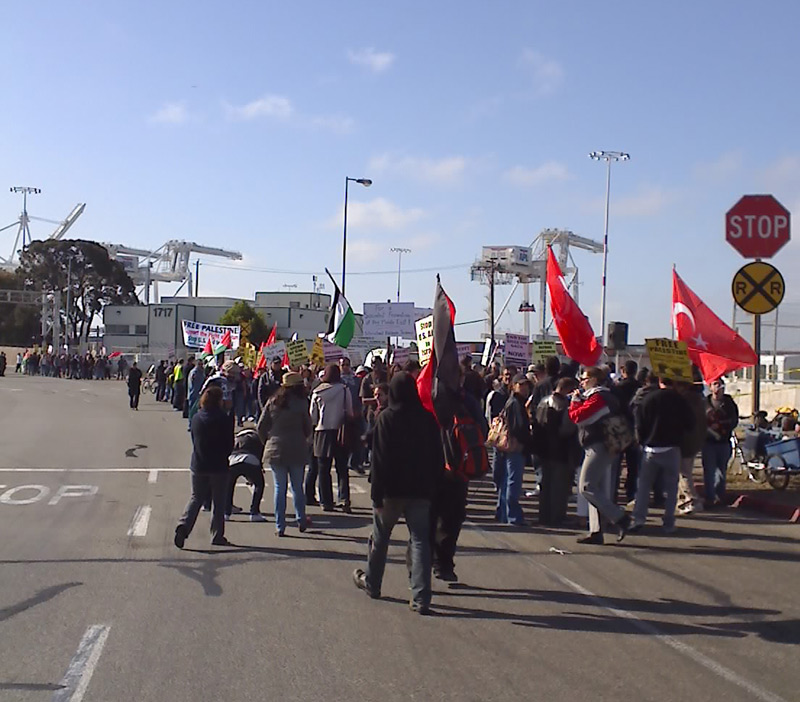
[492, 265]
[197, 278]
[69, 303]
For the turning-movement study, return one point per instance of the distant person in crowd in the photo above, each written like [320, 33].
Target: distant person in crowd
[270, 382]
[331, 407]
[722, 416]
[688, 499]
[134, 385]
[178, 386]
[3, 363]
[589, 408]
[212, 443]
[285, 429]
[663, 420]
[624, 391]
[407, 462]
[413, 368]
[546, 385]
[18, 368]
[245, 462]
[161, 381]
[649, 385]
[122, 368]
[197, 377]
[510, 464]
[473, 383]
[353, 383]
[559, 452]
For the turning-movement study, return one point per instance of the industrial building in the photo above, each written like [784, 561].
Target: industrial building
[156, 328]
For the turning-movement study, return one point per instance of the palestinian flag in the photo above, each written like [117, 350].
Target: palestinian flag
[207, 350]
[438, 382]
[224, 344]
[342, 325]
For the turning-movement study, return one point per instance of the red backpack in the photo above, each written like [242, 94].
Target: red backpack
[465, 448]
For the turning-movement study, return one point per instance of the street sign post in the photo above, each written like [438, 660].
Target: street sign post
[758, 226]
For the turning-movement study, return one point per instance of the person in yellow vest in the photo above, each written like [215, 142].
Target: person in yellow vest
[178, 386]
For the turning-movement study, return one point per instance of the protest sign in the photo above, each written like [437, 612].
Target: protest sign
[669, 359]
[389, 319]
[318, 353]
[297, 351]
[541, 350]
[278, 349]
[196, 334]
[425, 338]
[516, 350]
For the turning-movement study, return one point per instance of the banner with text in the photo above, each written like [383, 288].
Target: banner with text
[669, 359]
[516, 350]
[542, 350]
[425, 339]
[389, 319]
[196, 334]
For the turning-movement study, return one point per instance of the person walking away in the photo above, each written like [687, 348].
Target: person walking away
[650, 385]
[197, 376]
[559, 452]
[688, 499]
[178, 386]
[511, 463]
[624, 390]
[547, 385]
[331, 405]
[245, 462]
[589, 409]
[407, 462]
[722, 415]
[353, 384]
[3, 363]
[18, 368]
[212, 443]
[285, 429]
[134, 385]
[663, 421]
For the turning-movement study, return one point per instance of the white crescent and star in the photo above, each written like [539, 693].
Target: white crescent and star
[678, 308]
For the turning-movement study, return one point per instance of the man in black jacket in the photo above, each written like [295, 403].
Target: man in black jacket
[407, 461]
[134, 385]
[663, 419]
[624, 390]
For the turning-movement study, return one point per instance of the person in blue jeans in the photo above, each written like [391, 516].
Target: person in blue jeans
[510, 465]
[285, 429]
[722, 414]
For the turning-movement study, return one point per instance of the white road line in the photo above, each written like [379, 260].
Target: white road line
[152, 476]
[81, 667]
[645, 627]
[141, 518]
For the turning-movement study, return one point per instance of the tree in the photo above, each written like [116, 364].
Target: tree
[95, 279]
[250, 320]
[20, 325]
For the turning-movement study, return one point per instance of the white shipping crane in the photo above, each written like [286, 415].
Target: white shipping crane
[169, 263]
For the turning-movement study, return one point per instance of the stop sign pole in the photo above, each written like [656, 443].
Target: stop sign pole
[758, 226]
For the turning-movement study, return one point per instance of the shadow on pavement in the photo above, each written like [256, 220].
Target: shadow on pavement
[40, 597]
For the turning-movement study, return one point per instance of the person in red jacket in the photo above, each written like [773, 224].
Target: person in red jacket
[590, 406]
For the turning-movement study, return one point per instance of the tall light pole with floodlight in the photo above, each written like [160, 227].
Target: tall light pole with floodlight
[399, 251]
[366, 182]
[609, 157]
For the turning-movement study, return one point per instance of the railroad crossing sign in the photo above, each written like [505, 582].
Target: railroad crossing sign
[758, 287]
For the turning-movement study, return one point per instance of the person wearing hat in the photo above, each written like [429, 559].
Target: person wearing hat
[285, 429]
[270, 381]
[510, 464]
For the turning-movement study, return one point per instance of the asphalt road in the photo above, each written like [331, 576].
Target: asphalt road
[96, 603]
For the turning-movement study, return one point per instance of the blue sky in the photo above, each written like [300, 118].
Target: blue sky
[235, 124]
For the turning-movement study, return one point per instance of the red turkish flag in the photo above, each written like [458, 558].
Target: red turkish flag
[261, 366]
[713, 346]
[271, 338]
[574, 330]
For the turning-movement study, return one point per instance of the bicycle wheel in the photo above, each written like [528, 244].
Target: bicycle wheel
[777, 475]
[757, 471]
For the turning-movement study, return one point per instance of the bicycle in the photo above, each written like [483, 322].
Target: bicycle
[148, 385]
[766, 457]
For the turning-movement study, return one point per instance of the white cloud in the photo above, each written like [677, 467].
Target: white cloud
[647, 202]
[333, 123]
[368, 250]
[548, 74]
[377, 214]
[547, 172]
[276, 106]
[445, 170]
[170, 113]
[368, 58]
[727, 165]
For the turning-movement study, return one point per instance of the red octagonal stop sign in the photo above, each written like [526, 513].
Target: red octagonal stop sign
[757, 226]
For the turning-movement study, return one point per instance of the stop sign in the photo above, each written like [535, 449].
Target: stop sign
[757, 226]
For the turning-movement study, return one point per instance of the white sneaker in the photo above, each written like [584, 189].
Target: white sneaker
[258, 517]
[686, 510]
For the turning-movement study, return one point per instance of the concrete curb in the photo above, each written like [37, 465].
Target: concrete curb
[765, 506]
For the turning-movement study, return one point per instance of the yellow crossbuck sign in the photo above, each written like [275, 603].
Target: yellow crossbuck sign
[758, 287]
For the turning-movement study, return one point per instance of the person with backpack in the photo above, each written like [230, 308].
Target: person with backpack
[509, 464]
[558, 452]
[663, 421]
[591, 408]
[465, 459]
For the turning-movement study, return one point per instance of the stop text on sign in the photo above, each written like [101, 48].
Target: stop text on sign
[764, 226]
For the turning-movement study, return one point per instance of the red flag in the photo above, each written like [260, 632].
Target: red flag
[574, 330]
[207, 350]
[226, 339]
[272, 336]
[713, 346]
[437, 384]
[261, 365]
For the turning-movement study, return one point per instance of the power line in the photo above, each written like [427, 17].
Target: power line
[278, 271]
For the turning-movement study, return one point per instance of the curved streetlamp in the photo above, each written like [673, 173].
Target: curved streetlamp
[366, 182]
[609, 157]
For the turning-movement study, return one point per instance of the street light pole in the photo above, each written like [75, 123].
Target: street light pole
[366, 182]
[399, 251]
[608, 157]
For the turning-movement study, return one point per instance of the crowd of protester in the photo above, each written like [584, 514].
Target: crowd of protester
[75, 366]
